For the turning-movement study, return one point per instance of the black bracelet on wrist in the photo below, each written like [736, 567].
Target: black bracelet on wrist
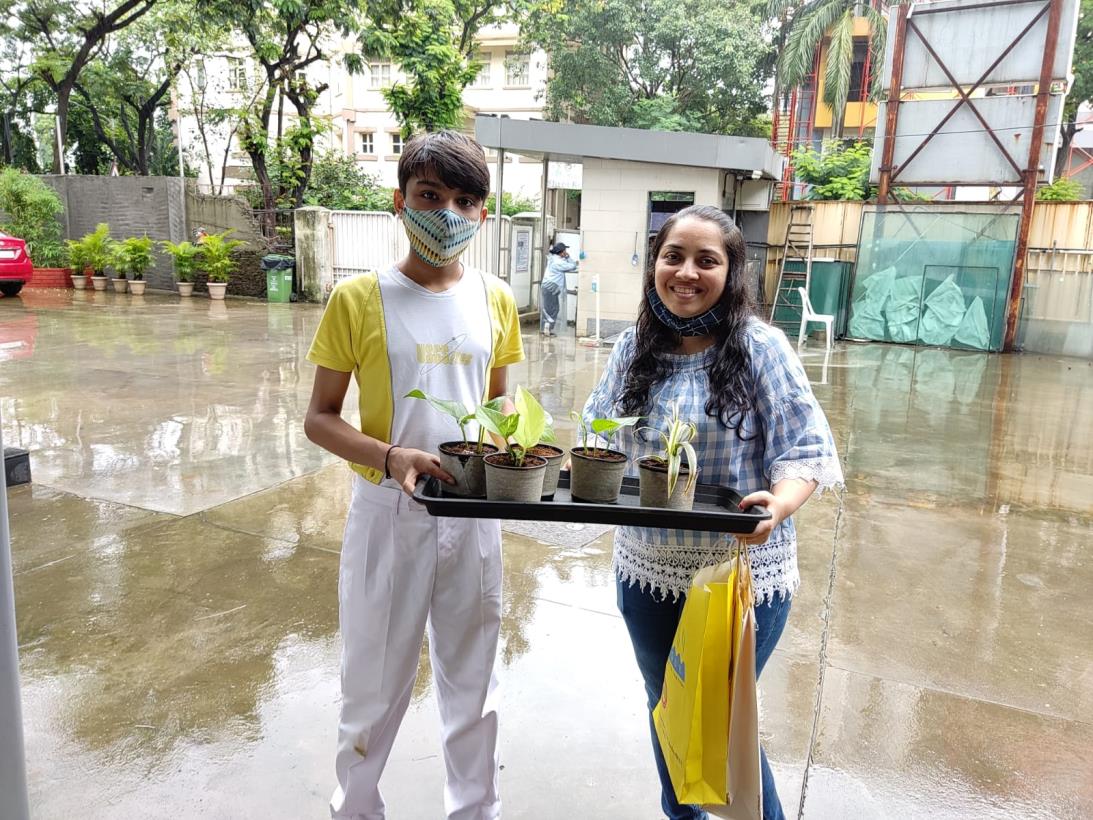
[387, 460]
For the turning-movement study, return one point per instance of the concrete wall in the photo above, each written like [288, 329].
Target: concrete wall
[132, 206]
[615, 218]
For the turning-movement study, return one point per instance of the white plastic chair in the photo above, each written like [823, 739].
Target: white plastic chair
[809, 315]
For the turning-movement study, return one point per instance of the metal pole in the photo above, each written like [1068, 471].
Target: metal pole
[498, 211]
[13, 767]
[60, 147]
[1032, 173]
[544, 239]
[892, 109]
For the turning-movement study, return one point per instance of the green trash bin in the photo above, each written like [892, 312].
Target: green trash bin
[279, 269]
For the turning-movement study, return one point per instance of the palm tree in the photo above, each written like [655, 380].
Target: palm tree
[808, 22]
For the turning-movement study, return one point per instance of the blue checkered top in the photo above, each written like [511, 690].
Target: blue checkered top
[786, 436]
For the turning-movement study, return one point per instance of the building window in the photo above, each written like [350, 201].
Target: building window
[485, 76]
[859, 82]
[367, 143]
[237, 74]
[381, 74]
[517, 69]
[396, 143]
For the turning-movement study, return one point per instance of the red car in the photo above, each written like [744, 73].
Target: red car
[15, 265]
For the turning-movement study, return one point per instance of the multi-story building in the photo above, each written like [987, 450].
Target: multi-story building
[359, 123]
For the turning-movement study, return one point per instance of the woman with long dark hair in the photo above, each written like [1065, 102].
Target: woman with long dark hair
[699, 343]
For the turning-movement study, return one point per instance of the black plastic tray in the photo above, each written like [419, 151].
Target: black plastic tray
[715, 510]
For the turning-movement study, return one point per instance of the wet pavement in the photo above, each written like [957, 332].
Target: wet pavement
[176, 568]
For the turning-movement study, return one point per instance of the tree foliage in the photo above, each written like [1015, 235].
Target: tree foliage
[837, 172]
[805, 26]
[1063, 189]
[67, 35]
[433, 42]
[697, 65]
[1081, 90]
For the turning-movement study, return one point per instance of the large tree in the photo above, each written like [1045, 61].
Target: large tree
[68, 35]
[16, 82]
[806, 24]
[667, 64]
[1081, 91]
[126, 89]
[433, 42]
[286, 37]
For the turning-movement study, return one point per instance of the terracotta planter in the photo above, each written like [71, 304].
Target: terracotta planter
[554, 457]
[217, 290]
[49, 278]
[120, 284]
[653, 487]
[597, 474]
[463, 463]
[99, 282]
[507, 482]
[185, 288]
[137, 286]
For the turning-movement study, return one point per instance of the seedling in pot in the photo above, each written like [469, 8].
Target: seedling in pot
[660, 474]
[597, 472]
[606, 429]
[516, 475]
[460, 459]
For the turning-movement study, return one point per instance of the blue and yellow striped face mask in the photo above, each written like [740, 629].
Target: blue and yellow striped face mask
[438, 237]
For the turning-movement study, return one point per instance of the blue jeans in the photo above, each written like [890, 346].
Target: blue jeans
[651, 621]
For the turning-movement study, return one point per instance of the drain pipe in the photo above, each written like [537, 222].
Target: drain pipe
[13, 766]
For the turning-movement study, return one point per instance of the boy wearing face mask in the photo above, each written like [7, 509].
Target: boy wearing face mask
[425, 323]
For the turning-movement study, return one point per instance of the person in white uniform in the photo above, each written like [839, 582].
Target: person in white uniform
[425, 323]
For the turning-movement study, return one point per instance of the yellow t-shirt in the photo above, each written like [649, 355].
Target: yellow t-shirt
[395, 336]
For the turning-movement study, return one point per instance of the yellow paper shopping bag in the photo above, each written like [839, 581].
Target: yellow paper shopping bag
[744, 787]
[692, 716]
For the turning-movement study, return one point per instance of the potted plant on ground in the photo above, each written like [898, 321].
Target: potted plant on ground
[516, 474]
[81, 271]
[96, 250]
[659, 475]
[597, 472]
[217, 261]
[119, 280]
[462, 460]
[134, 256]
[185, 255]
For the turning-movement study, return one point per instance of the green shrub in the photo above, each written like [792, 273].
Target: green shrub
[216, 256]
[32, 208]
[1063, 189]
[133, 255]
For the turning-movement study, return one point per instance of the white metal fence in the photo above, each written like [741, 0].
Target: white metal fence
[371, 240]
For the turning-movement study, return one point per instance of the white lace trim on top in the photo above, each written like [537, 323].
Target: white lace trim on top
[669, 568]
[826, 472]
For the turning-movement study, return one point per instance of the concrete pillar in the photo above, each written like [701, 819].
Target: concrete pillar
[314, 252]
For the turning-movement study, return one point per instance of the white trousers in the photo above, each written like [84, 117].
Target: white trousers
[400, 569]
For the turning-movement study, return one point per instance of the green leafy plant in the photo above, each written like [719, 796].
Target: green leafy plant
[1063, 189]
[96, 249]
[837, 171]
[216, 256]
[76, 256]
[133, 255]
[604, 428]
[32, 208]
[521, 430]
[457, 411]
[677, 445]
[185, 255]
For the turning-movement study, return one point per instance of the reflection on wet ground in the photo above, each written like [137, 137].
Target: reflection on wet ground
[176, 566]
